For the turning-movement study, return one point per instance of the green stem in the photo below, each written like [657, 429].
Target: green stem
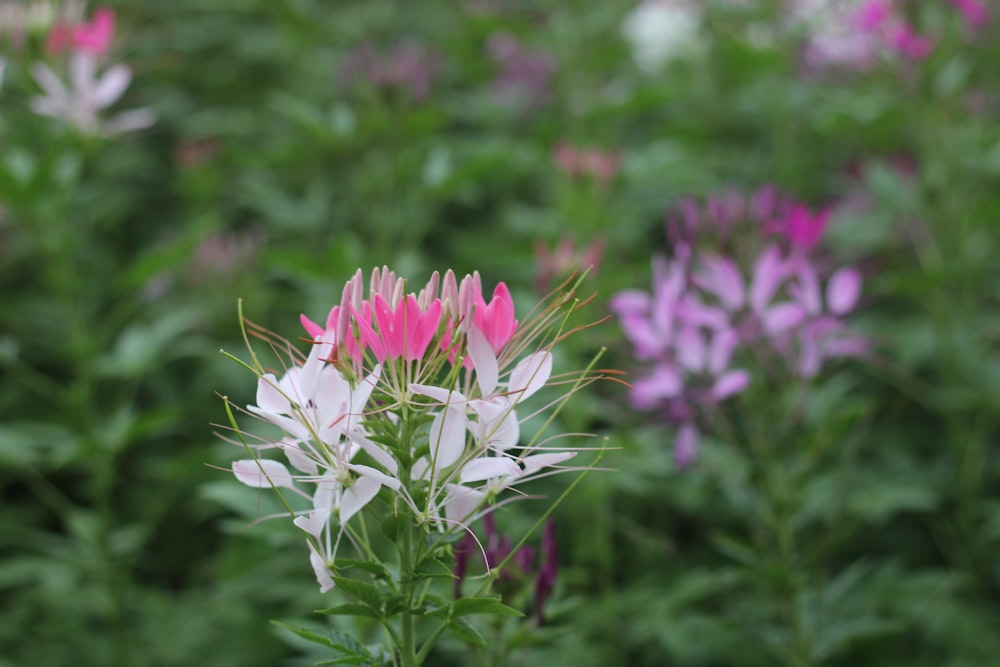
[407, 648]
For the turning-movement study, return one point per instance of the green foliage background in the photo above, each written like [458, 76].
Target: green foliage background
[862, 529]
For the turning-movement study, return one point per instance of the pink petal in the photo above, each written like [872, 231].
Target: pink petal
[731, 383]
[782, 317]
[691, 350]
[768, 272]
[843, 291]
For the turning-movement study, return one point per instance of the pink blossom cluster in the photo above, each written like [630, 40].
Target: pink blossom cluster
[525, 76]
[408, 67]
[414, 393]
[593, 163]
[745, 288]
[856, 34]
[93, 37]
[91, 86]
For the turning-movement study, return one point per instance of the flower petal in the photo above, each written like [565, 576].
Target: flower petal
[530, 375]
[484, 360]
[447, 437]
[357, 496]
[489, 467]
[843, 290]
[262, 473]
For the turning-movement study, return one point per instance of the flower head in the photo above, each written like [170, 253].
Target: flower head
[414, 394]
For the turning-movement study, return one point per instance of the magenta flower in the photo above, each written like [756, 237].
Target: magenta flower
[974, 12]
[93, 37]
[710, 316]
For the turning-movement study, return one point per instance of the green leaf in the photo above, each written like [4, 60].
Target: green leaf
[482, 605]
[364, 592]
[466, 631]
[390, 527]
[428, 568]
[371, 567]
[350, 609]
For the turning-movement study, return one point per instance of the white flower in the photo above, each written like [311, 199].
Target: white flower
[82, 102]
[662, 30]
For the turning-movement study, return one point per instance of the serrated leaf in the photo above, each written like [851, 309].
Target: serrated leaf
[367, 594]
[353, 652]
[429, 568]
[482, 605]
[467, 631]
[393, 605]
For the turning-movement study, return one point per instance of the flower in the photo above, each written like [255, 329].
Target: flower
[81, 103]
[662, 30]
[423, 387]
[711, 314]
[93, 37]
[973, 11]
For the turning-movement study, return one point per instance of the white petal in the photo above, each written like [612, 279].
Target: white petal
[301, 460]
[500, 434]
[462, 502]
[440, 394]
[81, 73]
[269, 397]
[49, 81]
[112, 85]
[530, 375]
[381, 477]
[322, 571]
[314, 522]
[129, 121]
[374, 450]
[489, 467]
[447, 437]
[538, 461]
[484, 361]
[262, 473]
[357, 496]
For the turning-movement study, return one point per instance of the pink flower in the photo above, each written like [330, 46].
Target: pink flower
[496, 318]
[974, 12]
[93, 37]
[601, 166]
[803, 228]
[404, 331]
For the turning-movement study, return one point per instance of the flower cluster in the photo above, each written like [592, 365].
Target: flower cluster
[524, 76]
[745, 284]
[587, 163]
[856, 34]
[416, 394]
[409, 68]
[92, 85]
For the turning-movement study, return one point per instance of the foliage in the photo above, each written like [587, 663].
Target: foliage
[850, 520]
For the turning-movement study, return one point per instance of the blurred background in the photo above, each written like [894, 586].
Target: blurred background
[160, 161]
